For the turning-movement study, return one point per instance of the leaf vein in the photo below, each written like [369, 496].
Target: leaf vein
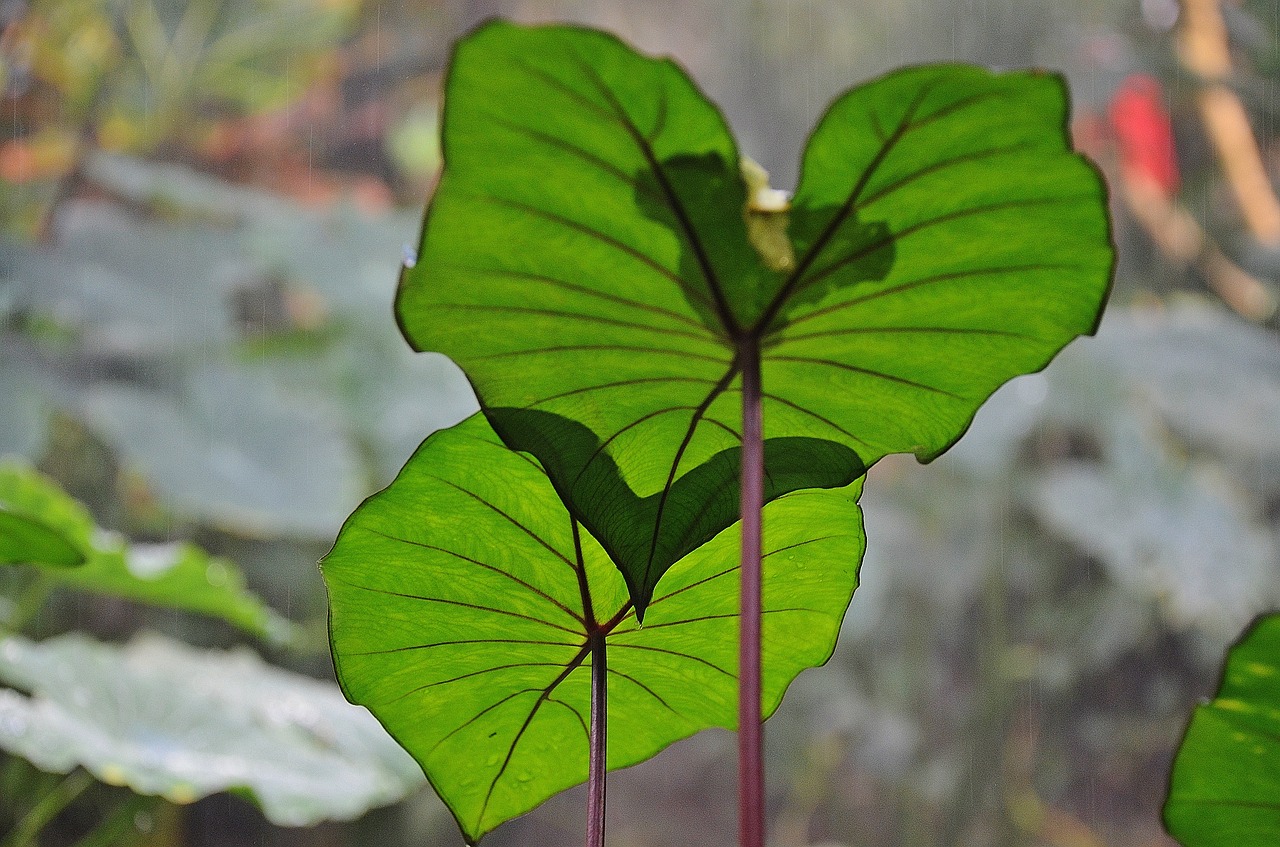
[555, 313]
[486, 566]
[958, 214]
[566, 348]
[729, 324]
[917, 283]
[517, 524]
[461, 603]
[546, 693]
[844, 366]
[595, 234]
[677, 654]
[655, 695]
[622, 383]
[592, 292]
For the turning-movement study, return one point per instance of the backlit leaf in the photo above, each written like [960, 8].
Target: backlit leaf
[587, 260]
[463, 595]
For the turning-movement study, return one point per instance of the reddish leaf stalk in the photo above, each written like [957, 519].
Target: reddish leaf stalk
[750, 729]
[598, 765]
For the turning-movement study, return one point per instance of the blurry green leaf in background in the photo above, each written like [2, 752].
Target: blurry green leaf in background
[176, 576]
[24, 539]
[1225, 786]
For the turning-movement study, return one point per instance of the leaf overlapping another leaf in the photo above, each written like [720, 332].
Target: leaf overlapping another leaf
[586, 261]
[464, 595]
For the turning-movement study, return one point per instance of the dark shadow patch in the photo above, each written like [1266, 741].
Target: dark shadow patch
[647, 535]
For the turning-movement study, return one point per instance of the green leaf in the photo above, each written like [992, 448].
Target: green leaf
[24, 384]
[166, 719]
[235, 451]
[174, 575]
[587, 260]
[1160, 523]
[27, 540]
[1225, 787]
[462, 597]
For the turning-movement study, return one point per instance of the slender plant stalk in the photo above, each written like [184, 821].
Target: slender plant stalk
[29, 603]
[120, 822]
[598, 765]
[25, 833]
[750, 729]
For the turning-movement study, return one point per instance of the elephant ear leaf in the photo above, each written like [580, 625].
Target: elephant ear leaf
[1225, 786]
[464, 595]
[592, 262]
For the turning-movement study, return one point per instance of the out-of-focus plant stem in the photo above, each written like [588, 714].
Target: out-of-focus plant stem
[113, 828]
[29, 603]
[24, 834]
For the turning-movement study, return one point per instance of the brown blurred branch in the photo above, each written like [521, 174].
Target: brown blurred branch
[1203, 49]
[1179, 236]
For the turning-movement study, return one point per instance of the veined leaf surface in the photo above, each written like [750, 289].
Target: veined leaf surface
[1225, 787]
[587, 261]
[463, 595]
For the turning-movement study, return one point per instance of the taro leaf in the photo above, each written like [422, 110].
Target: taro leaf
[28, 540]
[24, 385]
[461, 601]
[173, 575]
[586, 260]
[164, 718]
[235, 450]
[1214, 378]
[1225, 786]
[1162, 526]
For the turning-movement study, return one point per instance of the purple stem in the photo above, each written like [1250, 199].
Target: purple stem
[750, 729]
[597, 764]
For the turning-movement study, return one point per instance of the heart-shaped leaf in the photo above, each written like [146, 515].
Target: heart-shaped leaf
[464, 595]
[590, 261]
[173, 575]
[1225, 787]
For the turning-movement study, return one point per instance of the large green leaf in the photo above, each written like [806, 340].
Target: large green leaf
[167, 719]
[236, 451]
[589, 261]
[463, 595]
[28, 540]
[1225, 787]
[173, 575]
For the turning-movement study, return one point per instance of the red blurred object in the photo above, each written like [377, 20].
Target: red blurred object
[1145, 134]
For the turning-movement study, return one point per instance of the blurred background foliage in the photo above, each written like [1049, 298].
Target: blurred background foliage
[204, 205]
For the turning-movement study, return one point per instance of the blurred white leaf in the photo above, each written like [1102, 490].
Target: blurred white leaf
[166, 719]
